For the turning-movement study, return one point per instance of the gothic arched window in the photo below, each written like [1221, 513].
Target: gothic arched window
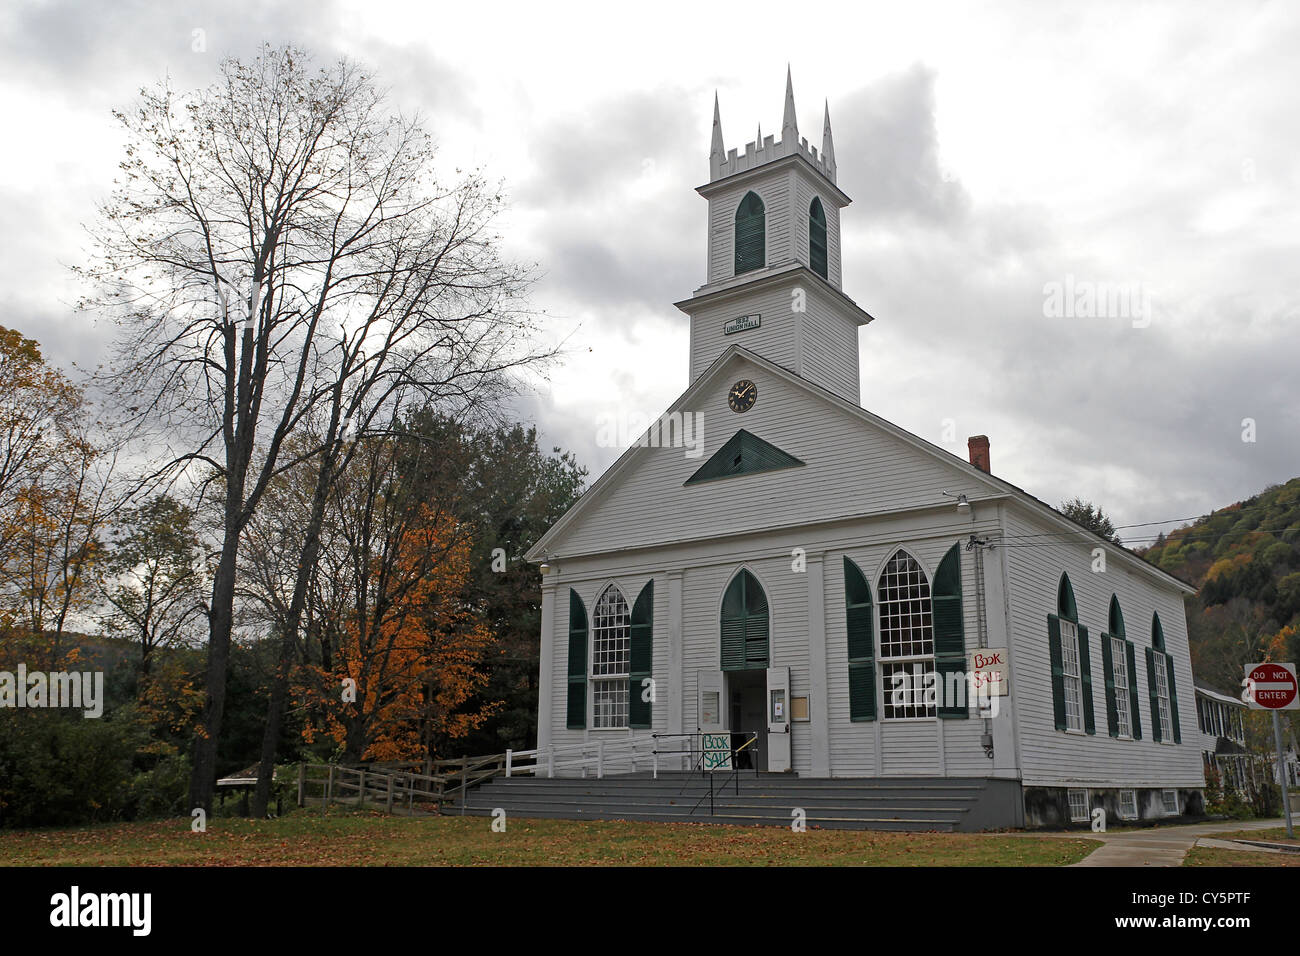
[751, 238]
[611, 659]
[817, 237]
[1071, 664]
[906, 638]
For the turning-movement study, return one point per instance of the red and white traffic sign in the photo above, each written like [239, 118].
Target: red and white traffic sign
[1271, 687]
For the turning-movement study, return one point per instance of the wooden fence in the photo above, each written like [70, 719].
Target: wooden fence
[391, 787]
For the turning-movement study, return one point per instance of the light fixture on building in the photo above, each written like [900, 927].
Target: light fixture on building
[963, 503]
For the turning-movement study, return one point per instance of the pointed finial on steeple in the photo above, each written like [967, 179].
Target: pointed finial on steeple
[759, 141]
[717, 149]
[828, 144]
[789, 128]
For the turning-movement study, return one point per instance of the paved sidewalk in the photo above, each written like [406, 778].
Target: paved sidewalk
[1161, 846]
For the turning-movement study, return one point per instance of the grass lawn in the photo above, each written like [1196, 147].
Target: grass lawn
[370, 839]
[1213, 856]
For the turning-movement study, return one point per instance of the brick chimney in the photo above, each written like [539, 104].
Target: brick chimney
[978, 446]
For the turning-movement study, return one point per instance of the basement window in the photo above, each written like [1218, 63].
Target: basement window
[1078, 806]
[1170, 800]
[1128, 805]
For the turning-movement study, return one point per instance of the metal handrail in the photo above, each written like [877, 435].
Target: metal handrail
[735, 770]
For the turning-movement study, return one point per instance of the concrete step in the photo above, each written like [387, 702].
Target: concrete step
[914, 803]
[737, 818]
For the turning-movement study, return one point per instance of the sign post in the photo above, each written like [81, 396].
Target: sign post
[1274, 687]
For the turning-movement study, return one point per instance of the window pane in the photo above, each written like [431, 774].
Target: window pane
[610, 703]
[611, 635]
[1119, 656]
[1073, 683]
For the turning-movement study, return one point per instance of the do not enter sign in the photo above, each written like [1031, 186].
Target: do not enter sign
[1271, 687]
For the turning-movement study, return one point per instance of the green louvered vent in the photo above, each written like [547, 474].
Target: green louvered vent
[744, 624]
[743, 454]
[861, 644]
[751, 239]
[817, 237]
[641, 658]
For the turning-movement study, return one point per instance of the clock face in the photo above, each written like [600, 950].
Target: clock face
[742, 396]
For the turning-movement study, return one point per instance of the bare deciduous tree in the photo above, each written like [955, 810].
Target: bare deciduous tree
[362, 282]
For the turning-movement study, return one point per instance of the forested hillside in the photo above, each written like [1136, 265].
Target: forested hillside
[1245, 559]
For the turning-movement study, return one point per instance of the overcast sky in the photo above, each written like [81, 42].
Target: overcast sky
[990, 151]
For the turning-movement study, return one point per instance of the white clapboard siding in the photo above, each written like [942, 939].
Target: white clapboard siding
[774, 339]
[850, 467]
[828, 347]
[1050, 757]
[818, 343]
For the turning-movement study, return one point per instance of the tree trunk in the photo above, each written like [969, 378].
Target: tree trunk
[289, 634]
[203, 777]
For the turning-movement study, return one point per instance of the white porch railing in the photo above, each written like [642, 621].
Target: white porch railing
[621, 755]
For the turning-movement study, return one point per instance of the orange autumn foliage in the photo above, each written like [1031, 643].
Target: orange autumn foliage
[414, 650]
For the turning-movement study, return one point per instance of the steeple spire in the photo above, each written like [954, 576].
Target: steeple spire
[789, 127]
[717, 150]
[828, 144]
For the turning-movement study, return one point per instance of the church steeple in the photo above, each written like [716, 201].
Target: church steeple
[774, 262]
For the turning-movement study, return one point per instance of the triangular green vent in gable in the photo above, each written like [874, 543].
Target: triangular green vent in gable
[743, 454]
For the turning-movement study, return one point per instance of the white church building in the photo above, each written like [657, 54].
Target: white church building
[825, 579]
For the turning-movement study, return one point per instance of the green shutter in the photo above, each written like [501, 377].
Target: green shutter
[817, 238]
[1135, 709]
[1108, 674]
[1173, 698]
[861, 644]
[1085, 678]
[951, 694]
[862, 690]
[1058, 670]
[755, 624]
[949, 633]
[742, 454]
[744, 624]
[1155, 700]
[577, 709]
[641, 654]
[751, 251]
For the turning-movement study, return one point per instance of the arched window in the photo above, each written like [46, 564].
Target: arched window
[1117, 658]
[744, 624]
[751, 238]
[817, 237]
[611, 646]
[906, 639]
[1160, 684]
[1071, 664]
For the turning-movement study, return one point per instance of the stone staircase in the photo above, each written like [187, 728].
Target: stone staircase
[944, 804]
